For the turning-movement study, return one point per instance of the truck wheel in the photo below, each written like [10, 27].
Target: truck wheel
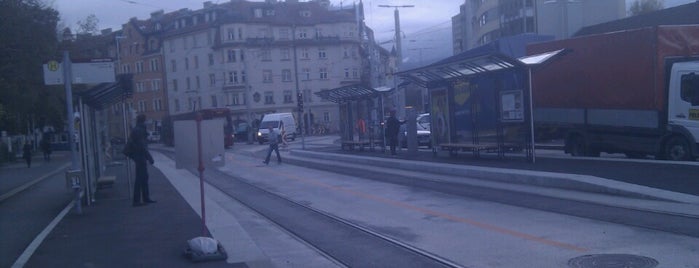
[677, 149]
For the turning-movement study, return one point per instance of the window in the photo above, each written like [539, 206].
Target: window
[233, 99]
[267, 76]
[345, 52]
[258, 13]
[189, 84]
[326, 117]
[139, 67]
[139, 87]
[304, 53]
[266, 55]
[284, 34]
[689, 91]
[235, 76]
[347, 73]
[211, 59]
[319, 32]
[286, 75]
[171, 44]
[231, 55]
[242, 56]
[303, 34]
[155, 85]
[198, 82]
[154, 65]
[157, 105]
[323, 73]
[305, 13]
[177, 105]
[186, 63]
[196, 62]
[214, 101]
[355, 73]
[321, 53]
[285, 54]
[287, 96]
[142, 106]
[242, 76]
[212, 79]
[269, 97]
[306, 74]
[173, 66]
[174, 85]
[230, 34]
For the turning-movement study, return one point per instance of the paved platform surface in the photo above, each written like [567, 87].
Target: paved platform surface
[112, 233]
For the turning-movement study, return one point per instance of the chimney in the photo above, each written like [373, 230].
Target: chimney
[157, 14]
[208, 4]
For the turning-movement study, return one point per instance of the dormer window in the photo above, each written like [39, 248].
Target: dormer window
[258, 13]
[158, 26]
[305, 13]
[269, 12]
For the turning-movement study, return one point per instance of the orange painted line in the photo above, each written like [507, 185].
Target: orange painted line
[447, 216]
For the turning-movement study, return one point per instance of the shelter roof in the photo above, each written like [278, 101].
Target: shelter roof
[351, 92]
[472, 63]
[105, 94]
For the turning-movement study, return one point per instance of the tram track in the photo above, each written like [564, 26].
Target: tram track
[347, 243]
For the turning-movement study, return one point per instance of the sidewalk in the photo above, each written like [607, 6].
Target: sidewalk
[112, 233]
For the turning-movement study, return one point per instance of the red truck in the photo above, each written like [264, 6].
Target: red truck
[634, 92]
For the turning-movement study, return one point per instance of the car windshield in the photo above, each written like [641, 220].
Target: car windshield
[267, 124]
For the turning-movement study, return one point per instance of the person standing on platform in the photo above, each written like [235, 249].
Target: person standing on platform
[141, 157]
[27, 153]
[392, 129]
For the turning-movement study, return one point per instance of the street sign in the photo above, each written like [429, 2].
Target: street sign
[93, 72]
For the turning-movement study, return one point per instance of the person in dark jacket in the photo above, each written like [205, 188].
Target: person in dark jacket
[46, 148]
[141, 157]
[392, 128]
[27, 153]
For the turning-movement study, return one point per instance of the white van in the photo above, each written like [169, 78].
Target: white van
[281, 122]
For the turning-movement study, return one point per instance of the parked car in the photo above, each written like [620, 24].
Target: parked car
[423, 132]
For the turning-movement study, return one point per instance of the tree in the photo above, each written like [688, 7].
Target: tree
[639, 7]
[89, 26]
[27, 41]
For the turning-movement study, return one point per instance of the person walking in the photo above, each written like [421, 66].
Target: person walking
[46, 148]
[274, 139]
[27, 153]
[392, 128]
[141, 157]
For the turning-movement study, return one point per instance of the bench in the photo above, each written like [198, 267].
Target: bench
[476, 149]
[351, 144]
[105, 181]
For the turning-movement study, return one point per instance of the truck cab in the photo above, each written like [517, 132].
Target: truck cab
[683, 112]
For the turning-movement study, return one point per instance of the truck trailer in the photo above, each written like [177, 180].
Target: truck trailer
[634, 92]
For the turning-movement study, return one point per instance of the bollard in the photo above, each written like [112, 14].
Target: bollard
[73, 181]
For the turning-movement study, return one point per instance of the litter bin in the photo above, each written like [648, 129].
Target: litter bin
[74, 179]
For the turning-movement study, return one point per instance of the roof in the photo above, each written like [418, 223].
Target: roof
[106, 94]
[679, 15]
[351, 92]
[473, 62]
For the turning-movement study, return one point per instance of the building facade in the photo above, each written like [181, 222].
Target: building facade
[482, 21]
[255, 58]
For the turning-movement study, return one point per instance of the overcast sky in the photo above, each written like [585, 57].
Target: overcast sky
[424, 17]
[428, 16]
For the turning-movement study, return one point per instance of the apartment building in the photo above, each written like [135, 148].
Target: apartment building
[139, 53]
[482, 21]
[254, 57]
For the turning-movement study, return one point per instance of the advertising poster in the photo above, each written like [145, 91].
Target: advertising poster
[440, 117]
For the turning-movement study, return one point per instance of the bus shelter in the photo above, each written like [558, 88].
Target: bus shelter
[361, 114]
[480, 101]
[94, 145]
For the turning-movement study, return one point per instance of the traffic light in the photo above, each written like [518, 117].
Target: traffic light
[299, 100]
